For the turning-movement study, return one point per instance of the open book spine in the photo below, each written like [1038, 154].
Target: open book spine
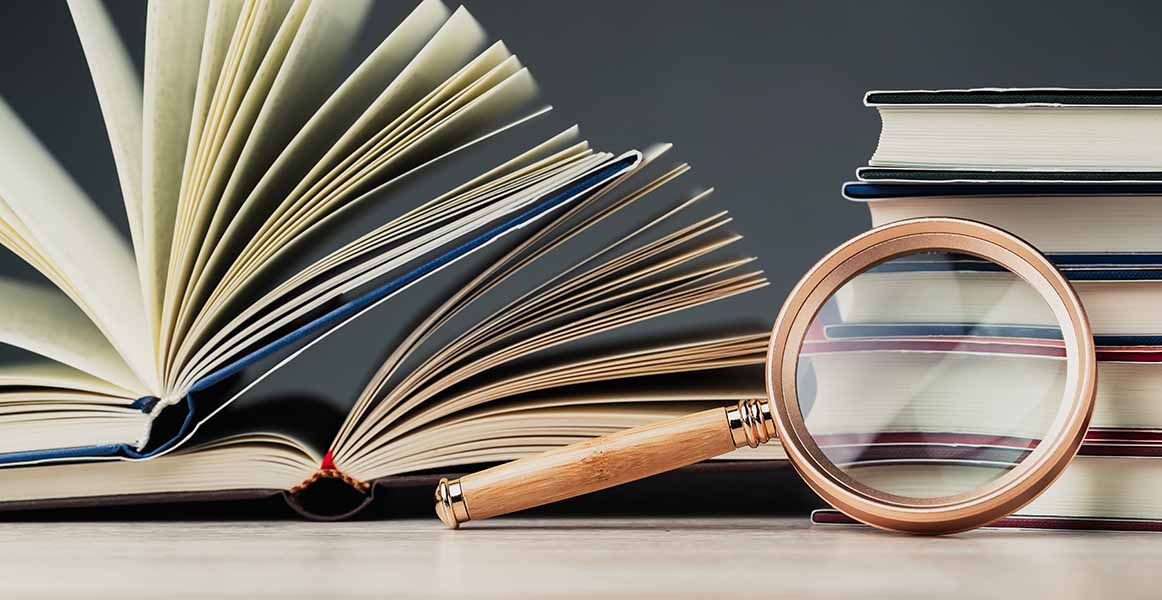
[330, 494]
[319, 327]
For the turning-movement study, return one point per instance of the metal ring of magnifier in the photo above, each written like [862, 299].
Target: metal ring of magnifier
[959, 512]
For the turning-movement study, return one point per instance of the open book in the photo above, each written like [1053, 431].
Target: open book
[234, 157]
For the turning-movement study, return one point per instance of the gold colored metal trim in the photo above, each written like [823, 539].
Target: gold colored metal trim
[450, 504]
[751, 423]
[947, 514]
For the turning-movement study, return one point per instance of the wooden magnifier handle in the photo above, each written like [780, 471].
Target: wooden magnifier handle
[603, 462]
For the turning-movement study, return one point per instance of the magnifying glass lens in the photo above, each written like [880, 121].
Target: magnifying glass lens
[931, 375]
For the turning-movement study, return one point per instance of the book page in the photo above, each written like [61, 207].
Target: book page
[85, 251]
[476, 96]
[553, 149]
[260, 321]
[295, 77]
[328, 218]
[538, 245]
[541, 242]
[452, 45]
[173, 54]
[42, 320]
[52, 374]
[258, 26]
[119, 94]
[679, 360]
[671, 273]
[318, 135]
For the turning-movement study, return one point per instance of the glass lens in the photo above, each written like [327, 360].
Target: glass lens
[931, 375]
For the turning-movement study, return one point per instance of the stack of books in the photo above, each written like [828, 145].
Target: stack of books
[1077, 173]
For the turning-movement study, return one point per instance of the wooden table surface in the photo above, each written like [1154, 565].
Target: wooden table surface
[563, 557]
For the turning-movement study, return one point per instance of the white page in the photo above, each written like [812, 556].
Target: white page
[119, 93]
[43, 372]
[75, 237]
[335, 116]
[451, 48]
[259, 50]
[15, 236]
[364, 272]
[294, 88]
[41, 319]
[258, 27]
[174, 34]
[461, 124]
[187, 349]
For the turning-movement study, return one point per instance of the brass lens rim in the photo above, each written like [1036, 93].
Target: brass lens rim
[947, 514]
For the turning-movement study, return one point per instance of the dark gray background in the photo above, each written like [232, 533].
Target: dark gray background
[763, 98]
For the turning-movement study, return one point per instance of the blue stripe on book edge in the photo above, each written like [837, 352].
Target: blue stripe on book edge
[104, 450]
[62, 453]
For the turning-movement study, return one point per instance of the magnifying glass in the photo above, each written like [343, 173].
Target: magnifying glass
[928, 376]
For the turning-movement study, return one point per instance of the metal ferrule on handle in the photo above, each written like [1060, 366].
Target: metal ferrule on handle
[604, 462]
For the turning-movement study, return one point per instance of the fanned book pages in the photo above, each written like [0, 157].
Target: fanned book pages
[236, 152]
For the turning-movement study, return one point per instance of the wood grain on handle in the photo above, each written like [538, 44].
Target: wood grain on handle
[588, 466]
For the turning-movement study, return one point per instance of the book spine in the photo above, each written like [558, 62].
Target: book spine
[330, 494]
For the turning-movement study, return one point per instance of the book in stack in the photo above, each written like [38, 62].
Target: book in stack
[1077, 173]
[568, 278]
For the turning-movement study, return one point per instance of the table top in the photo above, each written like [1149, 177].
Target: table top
[625, 557]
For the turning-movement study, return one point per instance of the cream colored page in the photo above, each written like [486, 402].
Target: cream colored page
[175, 30]
[79, 241]
[47, 373]
[328, 123]
[259, 56]
[316, 136]
[42, 320]
[258, 28]
[226, 36]
[450, 49]
[365, 272]
[16, 237]
[452, 46]
[463, 124]
[119, 93]
[544, 153]
[303, 79]
[199, 333]
[222, 19]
